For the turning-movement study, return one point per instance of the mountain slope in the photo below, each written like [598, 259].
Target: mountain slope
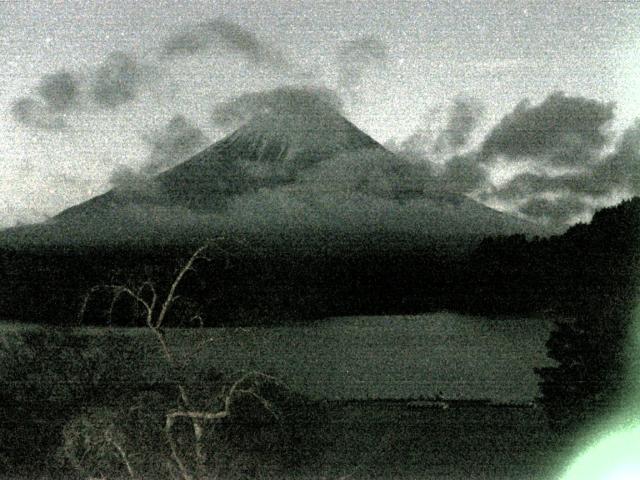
[266, 152]
[306, 174]
[317, 219]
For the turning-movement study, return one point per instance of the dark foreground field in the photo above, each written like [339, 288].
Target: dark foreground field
[57, 375]
[390, 440]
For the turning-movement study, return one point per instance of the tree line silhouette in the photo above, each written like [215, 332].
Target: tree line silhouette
[589, 266]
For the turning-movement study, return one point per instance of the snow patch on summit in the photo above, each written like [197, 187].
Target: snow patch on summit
[291, 134]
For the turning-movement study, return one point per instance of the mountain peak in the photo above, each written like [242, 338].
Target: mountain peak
[313, 133]
[293, 168]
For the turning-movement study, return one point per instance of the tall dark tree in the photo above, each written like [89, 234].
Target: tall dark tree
[592, 345]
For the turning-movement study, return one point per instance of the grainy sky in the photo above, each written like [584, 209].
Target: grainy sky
[88, 88]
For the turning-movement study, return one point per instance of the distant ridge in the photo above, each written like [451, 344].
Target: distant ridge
[298, 174]
[205, 181]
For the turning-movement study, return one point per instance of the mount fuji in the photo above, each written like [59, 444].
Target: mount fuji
[313, 217]
[305, 174]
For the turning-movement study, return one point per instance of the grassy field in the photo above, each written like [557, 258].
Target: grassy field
[388, 440]
[360, 439]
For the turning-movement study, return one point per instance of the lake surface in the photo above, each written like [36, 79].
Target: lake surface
[393, 357]
[380, 357]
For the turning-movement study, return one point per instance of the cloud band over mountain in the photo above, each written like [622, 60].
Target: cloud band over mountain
[280, 101]
[297, 166]
[570, 133]
[220, 34]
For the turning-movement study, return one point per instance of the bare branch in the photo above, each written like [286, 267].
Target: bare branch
[265, 403]
[123, 455]
[118, 291]
[198, 415]
[154, 296]
[198, 317]
[246, 385]
[174, 450]
[170, 296]
[83, 307]
[235, 390]
[166, 351]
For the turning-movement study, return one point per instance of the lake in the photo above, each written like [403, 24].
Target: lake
[383, 356]
[392, 357]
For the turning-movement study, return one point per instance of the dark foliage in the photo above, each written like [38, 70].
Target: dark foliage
[49, 375]
[242, 285]
[251, 282]
[566, 275]
[62, 390]
[587, 279]
[592, 344]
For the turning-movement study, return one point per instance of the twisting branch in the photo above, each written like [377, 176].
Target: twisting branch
[118, 291]
[199, 416]
[154, 294]
[234, 393]
[171, 295]
[123, 455]
[155, 324]
[184, 472]
[247, 384]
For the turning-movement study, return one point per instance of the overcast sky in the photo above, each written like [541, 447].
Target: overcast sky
[91, 88]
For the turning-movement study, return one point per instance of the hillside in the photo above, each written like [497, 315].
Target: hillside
[314, 217]
[298, 174]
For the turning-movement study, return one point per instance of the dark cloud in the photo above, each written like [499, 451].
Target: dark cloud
[564, 141]
[364, 193]
[366, 49]
[573, 193]
[440, 137]
[169, 146]
[35, 113]
[174, 143]
[622, 167]
[525, 184]
[224, 34]
[415, 146]
[460, 173]
[356, 57]
[614, 172]
[127, 179]
[560, 211]
[463, 118]
[562, 134]
[116, 81]
[419, 145]
[372, 172]
[561, 130]
[463, 174]
[57, 93]
[134, 186]
[283, 100]
[59, 90]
